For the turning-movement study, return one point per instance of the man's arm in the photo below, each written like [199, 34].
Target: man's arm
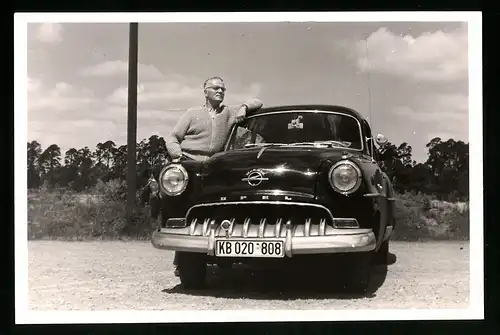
[238, 113]
[253, 105]
[176, 136]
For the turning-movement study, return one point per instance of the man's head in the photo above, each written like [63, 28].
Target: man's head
[214, 90]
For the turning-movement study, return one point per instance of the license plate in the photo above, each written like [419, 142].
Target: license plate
[250, 248]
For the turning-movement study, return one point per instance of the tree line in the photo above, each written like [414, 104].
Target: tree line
[445, 173]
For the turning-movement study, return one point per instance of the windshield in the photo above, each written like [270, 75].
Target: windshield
[297, 128]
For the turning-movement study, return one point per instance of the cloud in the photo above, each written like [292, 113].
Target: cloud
[119, 68]
[59, 100]
[156, 93]
[438, 113]
[73, 116]
[438, 56]
[174, 94]
[49, 32]
[437, 107]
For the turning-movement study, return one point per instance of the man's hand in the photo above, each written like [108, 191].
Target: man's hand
[240, 116]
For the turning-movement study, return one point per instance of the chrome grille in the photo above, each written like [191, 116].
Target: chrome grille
[265, 220]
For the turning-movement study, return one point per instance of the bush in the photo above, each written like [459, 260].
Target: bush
[100, 214]
[422, 217]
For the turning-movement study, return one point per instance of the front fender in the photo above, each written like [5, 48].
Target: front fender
[177, 206]
[378, 188]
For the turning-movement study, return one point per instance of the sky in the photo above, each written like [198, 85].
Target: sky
[415, 73]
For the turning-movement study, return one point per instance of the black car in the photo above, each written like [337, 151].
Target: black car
[291, 181]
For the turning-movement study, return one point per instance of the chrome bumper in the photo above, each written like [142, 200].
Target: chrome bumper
[333, 241]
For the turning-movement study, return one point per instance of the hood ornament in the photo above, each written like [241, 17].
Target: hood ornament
[255, 177]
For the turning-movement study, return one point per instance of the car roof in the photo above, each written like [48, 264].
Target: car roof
[319, 107]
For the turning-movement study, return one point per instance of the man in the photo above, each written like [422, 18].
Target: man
[202, 131]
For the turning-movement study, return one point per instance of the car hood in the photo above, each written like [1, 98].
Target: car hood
[286, 170]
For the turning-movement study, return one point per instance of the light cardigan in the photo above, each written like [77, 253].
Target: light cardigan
[199, 135]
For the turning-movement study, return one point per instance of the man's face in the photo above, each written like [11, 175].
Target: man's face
[214, 90]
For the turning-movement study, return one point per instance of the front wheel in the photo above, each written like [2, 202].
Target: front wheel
[382, 254]
[192, 269]
[360, 272]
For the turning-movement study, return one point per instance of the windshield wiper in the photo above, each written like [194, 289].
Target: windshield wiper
[343, 144]
[318, 143]
[251, 145]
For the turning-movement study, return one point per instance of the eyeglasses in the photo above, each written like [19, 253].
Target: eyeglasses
[216, 88]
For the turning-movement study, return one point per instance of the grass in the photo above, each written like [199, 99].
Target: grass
[420, 217]
[65, 215]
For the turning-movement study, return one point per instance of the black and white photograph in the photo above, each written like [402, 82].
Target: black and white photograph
[212, 167]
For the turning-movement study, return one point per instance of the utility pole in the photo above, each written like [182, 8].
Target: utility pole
[132, 119]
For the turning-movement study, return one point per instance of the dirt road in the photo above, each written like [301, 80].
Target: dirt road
[134, 275]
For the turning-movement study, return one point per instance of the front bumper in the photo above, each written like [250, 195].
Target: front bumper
[335, 241]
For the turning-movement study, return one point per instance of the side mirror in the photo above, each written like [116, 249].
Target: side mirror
[381, 140]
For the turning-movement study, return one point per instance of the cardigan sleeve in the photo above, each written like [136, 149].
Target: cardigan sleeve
[174, 139]
[252, 105]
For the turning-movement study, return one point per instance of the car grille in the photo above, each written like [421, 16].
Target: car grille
[265, 219]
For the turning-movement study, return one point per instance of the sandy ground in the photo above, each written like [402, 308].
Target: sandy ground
[134, 275]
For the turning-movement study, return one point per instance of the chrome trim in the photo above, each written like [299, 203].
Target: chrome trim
[262, 227]
[307, 227]
[192, 227]
[277, 228]
[205, 226]
[373, 195]
[171, 221]
[225, 224]
[226, 146]
[261, 202]
[388, 233]
[261, 152]
[288, 239]
[348, 223]
[358, 180]
[255, 177]
[334, 220]
[211, 239]
[322, 227]
[168, 167]
[231, 227]
[361, 240]
[246, 225]
[226, 229]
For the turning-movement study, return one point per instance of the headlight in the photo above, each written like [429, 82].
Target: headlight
[174, 179]
[345, 177]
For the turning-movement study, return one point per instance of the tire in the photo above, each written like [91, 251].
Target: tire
[381, 256]
[192, 270]
[360, 273]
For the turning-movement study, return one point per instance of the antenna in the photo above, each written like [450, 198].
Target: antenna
[368, 81]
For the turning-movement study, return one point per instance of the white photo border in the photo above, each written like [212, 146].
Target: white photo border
[476, 308]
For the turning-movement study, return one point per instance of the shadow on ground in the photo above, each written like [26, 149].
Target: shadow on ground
[290, 284]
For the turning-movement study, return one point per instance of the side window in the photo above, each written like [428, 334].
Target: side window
[243, 136]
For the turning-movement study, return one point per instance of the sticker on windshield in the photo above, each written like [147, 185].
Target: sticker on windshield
[296, 123]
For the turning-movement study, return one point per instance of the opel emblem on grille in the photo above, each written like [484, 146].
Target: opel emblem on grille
[255, 177]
